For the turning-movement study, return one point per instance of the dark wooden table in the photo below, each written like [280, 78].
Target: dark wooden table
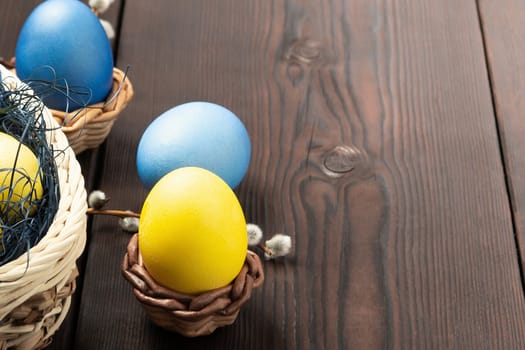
[388, 141]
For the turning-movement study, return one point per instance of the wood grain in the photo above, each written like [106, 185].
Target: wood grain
[13, 16]
[505, 48]
[374, 146]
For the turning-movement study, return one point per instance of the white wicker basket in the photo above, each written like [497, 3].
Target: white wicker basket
[33, 306]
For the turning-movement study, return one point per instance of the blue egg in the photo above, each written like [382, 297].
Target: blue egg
[200, 134]
[62, 41]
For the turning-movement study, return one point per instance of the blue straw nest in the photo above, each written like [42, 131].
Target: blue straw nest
[21, 116]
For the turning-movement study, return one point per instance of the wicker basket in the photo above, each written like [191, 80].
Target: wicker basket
[35, 303]
[88, 127]
[190, 315]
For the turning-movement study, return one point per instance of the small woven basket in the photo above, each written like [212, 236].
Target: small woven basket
[35, 297]
[88, 127]
[190, 315]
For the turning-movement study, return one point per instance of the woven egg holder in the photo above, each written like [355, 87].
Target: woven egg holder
[190, 315]
[35, 297]
[88, 127]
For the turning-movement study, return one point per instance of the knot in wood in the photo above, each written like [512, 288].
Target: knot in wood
[305, 51]
[343, 160]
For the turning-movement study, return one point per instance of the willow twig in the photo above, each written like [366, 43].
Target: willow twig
[112, 212]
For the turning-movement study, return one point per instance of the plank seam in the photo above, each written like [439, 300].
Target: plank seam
[501, 144]
[118, 29]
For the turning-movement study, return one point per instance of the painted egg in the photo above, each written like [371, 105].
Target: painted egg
[200, 134]
[192, 231]
[63, 44]
[20, 178]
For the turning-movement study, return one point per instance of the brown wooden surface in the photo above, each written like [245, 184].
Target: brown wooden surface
[375, 146]
[502, 25]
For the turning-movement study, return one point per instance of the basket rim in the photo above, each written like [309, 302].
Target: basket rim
[121, 93]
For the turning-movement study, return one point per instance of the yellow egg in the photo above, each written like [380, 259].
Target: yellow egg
[192, 232]
[19, 177]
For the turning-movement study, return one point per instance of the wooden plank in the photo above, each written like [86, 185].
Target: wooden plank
[505, 47]
[13, 16]
[372, 128]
